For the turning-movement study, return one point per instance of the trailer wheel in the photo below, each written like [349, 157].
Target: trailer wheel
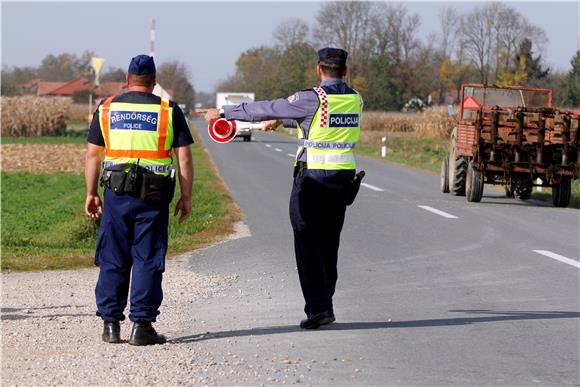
[444, 178]
[457, 174]
[523, 189]
[561, 192]
[473, 184]
[509, 191]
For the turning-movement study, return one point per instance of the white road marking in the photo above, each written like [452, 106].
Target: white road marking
[558, 257]
[372, 187]
[290, 154]
[278, 149]
[268, 145]
[438, 212]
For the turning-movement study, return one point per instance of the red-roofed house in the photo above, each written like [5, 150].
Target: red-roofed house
[44, 88]
[68, 89]
[106, 89]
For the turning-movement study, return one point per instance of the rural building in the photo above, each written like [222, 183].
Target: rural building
[68, 89]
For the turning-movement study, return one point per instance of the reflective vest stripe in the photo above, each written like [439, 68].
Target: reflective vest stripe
[163, 120]
[326, 144]
[138, 153]
[105, 120]
[151, 167]
[329, 158]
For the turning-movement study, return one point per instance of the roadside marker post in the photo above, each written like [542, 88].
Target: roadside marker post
[539, 181]
[384, 147]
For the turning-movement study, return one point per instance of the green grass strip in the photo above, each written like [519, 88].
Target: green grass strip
[44, 225]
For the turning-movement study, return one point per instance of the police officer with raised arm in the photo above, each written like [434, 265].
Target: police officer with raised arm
[138, 132]
[328, 121]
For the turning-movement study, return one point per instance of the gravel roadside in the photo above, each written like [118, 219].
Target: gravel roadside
[51, 336]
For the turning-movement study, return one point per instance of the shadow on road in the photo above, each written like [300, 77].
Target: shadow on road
[499, 200]
[492, 316]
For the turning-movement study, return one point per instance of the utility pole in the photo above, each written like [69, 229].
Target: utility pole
[152, 38]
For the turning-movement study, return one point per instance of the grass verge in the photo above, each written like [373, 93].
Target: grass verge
[44, 226]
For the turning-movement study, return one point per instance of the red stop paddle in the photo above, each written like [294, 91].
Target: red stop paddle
[222, 130]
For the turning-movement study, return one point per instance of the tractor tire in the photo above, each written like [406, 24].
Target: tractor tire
[562, 192]
[444, 178]
[457, 174]
[523, 190]
[509, 192]
[473, 184]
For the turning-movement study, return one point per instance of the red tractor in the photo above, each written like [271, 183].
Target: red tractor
[514, 137]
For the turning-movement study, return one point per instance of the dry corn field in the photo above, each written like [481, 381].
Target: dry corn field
[80, 111]
[34, 116]
[431, 123]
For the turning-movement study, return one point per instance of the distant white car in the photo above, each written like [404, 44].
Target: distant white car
[227, 99]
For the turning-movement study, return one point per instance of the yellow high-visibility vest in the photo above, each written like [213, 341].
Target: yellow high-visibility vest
[333, 133]
[138, 134]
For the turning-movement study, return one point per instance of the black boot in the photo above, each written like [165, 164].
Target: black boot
[111, 332]
[143, 333]
[314, 321]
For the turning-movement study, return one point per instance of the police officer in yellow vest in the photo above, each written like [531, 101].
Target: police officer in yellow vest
[328, 121]
[139, 133]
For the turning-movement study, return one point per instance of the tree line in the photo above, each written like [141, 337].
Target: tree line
[66, 67]
[389, 63]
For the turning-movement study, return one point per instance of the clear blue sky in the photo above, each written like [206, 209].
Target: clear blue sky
[209, 36]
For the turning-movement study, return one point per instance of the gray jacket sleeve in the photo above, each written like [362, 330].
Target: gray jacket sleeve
[297, 107]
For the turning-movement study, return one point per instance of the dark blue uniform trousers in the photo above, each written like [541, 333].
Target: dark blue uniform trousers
[317, 215]
[132, 244]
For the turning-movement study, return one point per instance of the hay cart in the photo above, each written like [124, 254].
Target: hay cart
[514, 137]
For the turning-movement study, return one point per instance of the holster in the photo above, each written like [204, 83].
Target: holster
[353, 188]
[156, 188]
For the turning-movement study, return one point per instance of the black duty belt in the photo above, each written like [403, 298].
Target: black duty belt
[147, 185]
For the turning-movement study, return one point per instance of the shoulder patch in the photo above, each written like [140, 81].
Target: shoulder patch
[293, 98]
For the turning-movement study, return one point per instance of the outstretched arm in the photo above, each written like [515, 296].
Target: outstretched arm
[295, 107]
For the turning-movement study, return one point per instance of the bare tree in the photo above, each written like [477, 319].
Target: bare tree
[490, 36]
[394, 31]
[291, 32]
[175, 75]
[477, 31]
[448, 21]
[346, 25]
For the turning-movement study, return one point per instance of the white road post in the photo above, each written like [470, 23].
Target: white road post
[384, 147]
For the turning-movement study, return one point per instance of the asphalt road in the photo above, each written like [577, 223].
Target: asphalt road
[432, 290]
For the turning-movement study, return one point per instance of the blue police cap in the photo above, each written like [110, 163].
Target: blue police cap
[142, 65]
[332, 56]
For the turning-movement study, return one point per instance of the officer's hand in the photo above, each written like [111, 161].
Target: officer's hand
[183, 206]
[93, 206]
[270, 125]
[212, 114]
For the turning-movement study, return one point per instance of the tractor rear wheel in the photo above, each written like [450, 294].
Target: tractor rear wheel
[457, 174]
[473, 184]
[444, 178]
[561, 192]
